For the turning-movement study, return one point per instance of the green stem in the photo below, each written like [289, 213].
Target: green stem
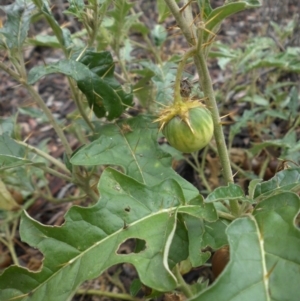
[84, 183]
[10, 236]
[50, 117]
[206, 84]
[153, 49]
[207, 87]
[9, 71]
[76, 97]
[63, 200]
[105, 294]
[53, 24]
[46, 156]
[182, 285]
[200, 168]
[180, 69]
[225, 215]
[59, 35]
[56, 173]
[181, 21]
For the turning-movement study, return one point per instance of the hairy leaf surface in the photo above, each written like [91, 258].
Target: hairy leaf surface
[264, 255]
[88, 242]
[132, 144]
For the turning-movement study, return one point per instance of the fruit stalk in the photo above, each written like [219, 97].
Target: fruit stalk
[177, 96]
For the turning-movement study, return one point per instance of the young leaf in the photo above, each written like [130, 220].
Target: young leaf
[163, 10]
[230, 192]
[285, 180]
[63, 35]
[16, 27]
[122, 22]
[132, 145]
[205, 8]
[163, 79]
[88, 242]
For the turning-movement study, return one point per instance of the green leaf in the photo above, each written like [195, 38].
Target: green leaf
[102, 64]
[294, 103]
[277, 143]
[122, 21]
[252, 186]
[163, 79]
[281, 242]
[11, 153]
[15, 29]
[87, 243]
[214, 235]
[159, 35]
[220, 13]
[132, 145]
[195, 230]
[163, 10]
[285, 180]
[103, 93]
[264, 255]
[288, 61]
[257, 99]
[205, 8]
[179, 243]
[7, 125]
[242, 237]
[241, 122]
[76, 8]
[135, 287]
[195, 217]
[7, 202]
[230, 192]
[45, 41]
[63, 35]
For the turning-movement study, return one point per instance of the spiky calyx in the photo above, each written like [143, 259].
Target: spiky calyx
[179, 109]
[188, 126]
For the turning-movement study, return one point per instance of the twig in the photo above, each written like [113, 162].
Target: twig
[106, 294]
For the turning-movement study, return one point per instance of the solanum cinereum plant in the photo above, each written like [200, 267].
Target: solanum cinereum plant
[144, 199]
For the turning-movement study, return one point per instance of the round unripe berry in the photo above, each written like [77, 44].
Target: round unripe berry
[191, 133]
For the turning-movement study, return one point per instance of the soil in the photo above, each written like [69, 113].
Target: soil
[55, 92]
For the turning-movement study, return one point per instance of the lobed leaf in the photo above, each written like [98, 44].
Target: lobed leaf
[264, 255]
[230, 192]
[132, 145]
[285, 180]
[197, 218]
[88, 242]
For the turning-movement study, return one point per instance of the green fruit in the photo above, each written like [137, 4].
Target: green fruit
[190, 132]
